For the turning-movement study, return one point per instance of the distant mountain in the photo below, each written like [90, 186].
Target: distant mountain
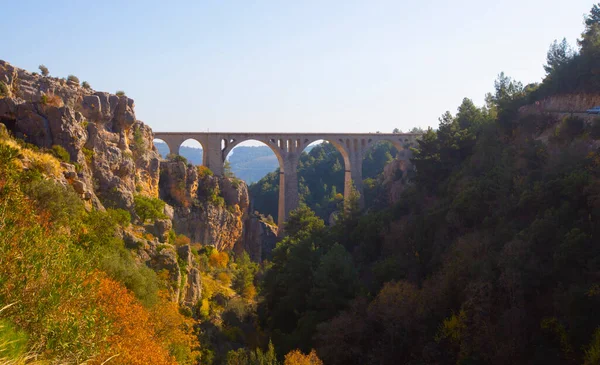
[249, 163]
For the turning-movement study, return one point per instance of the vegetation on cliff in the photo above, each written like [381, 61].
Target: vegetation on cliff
[72, 290]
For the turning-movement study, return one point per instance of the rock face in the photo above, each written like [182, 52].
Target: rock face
[179, 263]
[208, 209]
[570, 103]
[259, 239]
[396, 176]
[113, 151]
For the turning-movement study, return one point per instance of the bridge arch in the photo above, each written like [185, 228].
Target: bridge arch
[228, 143]
[192, 158]
[164, 149]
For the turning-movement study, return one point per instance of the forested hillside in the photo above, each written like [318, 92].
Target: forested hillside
[490, 257]
[321, 180]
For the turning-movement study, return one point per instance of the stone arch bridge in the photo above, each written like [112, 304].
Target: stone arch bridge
[288, 147]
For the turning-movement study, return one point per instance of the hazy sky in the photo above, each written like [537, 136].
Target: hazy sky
[304, 66]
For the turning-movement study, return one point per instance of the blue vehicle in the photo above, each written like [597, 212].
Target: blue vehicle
[594, 110]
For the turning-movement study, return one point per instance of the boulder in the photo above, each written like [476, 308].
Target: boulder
[162, 228]
[79, 186]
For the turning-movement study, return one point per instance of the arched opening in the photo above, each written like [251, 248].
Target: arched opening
[192, 150]
[385, 170]
[322, 169]
[260, 166]
[162, 147]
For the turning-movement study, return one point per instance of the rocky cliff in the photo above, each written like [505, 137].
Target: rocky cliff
[260, 238]
[111, 152]
[208, 209]
[110, 159]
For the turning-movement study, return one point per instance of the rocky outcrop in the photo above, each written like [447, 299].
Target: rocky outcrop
[112, 151]
[209, 210]
[191, 288]
[179, 264]
[260, 238]
[568, 103]
[396, 176]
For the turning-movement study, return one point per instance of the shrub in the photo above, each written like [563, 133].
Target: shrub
[120, 93]
[203, 171]
[181, 240]
[86, 85]
[177, 158]
[89, 155]
[3, 89]
[61, 153]
[139, 145]
[43, 162]
[149, 208]
[44, 70]
[218, 259]
[73, 78]
[224, 278]
[120, 265]
[296, 357]
[52, 100]
[62, 203]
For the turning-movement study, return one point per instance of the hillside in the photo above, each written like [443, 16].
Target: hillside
[489, 256]
[482, 250]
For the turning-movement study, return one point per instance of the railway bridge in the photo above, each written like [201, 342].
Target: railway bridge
[287, 147]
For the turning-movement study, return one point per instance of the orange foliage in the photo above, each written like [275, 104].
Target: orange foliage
[132, 339]
[224, 278]
[203, 171]
[182, 240]
[296, 357]
[54, 100]
[219, 259]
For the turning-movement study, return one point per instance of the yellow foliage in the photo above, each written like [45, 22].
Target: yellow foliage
[44, 162]
[175, 331]
[453, 328]
[296, 357]
[219, 259]
[210, 287]
[205, 308]
[249, 292]
[224, 278]
[132, 337]
[182, 240]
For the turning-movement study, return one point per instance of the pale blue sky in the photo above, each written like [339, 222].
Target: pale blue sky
[304, 66]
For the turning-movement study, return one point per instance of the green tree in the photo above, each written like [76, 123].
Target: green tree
[558, 55]
[44, 70]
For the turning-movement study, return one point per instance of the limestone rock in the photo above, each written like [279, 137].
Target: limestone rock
[79, 186]
[162, 228]
[208, 209]
[259, 240]
[192, 289]
[185, 253]
[94, 127]
[235, 192]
